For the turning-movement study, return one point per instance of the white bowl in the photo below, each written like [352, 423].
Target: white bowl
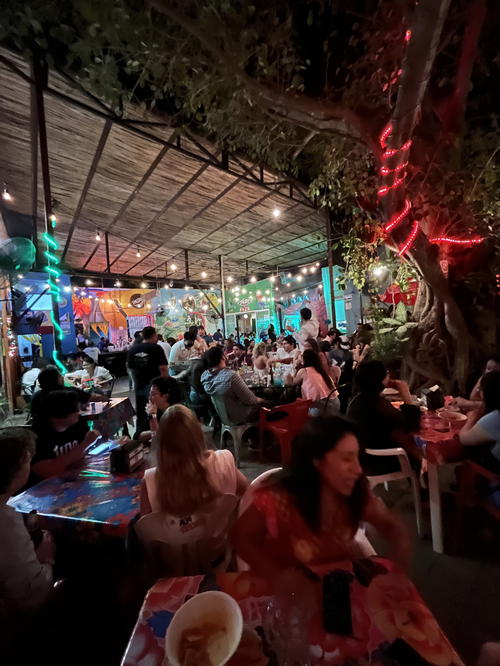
[216, 608]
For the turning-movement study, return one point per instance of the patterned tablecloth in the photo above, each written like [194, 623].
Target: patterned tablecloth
[385, 606]
[89, 497]
[112, 418]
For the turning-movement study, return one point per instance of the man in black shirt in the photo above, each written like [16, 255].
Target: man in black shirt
[62, 436]
[146, 360]
[50, 379]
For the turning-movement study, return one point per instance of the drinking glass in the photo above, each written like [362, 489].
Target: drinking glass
[286, 628]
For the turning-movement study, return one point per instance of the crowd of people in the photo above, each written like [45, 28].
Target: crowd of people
[319, 499]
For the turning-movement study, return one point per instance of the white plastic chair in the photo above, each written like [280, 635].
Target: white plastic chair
[406, 472]
[189, 545]
[236, 431]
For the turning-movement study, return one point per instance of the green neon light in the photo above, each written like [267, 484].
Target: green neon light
[58, 362]
[52, 271]
[51, 257]
[51, 242]
[58, 328]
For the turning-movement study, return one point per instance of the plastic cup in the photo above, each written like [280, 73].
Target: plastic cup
[215, 608]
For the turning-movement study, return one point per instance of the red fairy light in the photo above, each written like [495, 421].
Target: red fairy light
[382, 191]
[392, 151]
[465, 242]
[398, 217]
[386, 132]
[386, 171]
[407, 35]
[410, 240]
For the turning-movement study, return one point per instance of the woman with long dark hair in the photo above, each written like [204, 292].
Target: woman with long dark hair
[315, 383]
[306, 515]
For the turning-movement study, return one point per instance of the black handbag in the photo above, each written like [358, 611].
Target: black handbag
[127, 457]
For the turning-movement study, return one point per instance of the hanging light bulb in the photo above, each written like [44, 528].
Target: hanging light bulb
[212, 288]
[299, 278]
[276, 288]
[20, 277]
[98, 235]
[186, 287]
[138, 253]
[276, 212]
[144, 285]
[258, 292]
[204, 307]
[253, 279]
[305, 291]
[173, 267]
[267, 291]
[67, 289]
[243, 291]
[6, 195]
[203, 275]
[317, 264]
[312, 269]
[304, 269]
[320, 286]
[230, 278]
[273, 278]
[288, 284]
[118, 283]
[89, 283]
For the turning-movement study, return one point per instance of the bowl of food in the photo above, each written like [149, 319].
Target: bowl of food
[205, 630]
[451, 415]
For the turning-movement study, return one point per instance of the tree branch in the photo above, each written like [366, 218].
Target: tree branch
[317, 115]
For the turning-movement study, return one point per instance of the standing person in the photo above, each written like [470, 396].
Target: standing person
[135, 341]
[271, 333]
[25, 569]
[164, 345]
[147, 360]
[217, 336]
[308, 328]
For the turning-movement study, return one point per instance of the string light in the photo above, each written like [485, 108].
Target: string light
[410, 240]
[203, 275]
[6, 195]
[230, 278]
[118, 283]
[144, 285]
[173, 267]
[304, 269]
[89, 283]
[465, 242]
[98, 236]
[299, 278]
[273, 278]
[397, 218]
[138, 253]
[407, 35]
[276, 212]
[253, 279]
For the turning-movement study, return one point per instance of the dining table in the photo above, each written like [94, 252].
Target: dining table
[388, 616]
[440, 446]
[108, 417]
[86, 498]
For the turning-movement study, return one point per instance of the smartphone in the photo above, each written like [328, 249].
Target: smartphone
[337, 618]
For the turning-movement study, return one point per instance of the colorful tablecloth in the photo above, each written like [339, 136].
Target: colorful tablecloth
[441, 446]
[112, 418]
[92, 498]
[385, 606]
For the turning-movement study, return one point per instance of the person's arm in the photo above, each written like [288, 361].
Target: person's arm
[57, 466]
[467, 405]
[242, 392]
[402, 388]
[475, 394]
[144, 503]
[476, 429]
[242, 483]
[391, 528]
[299, 377]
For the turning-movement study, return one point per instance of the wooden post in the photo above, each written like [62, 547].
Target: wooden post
[330, 268]
[34, 166]
[106, 241]
[222, 295]
[40, 81]
[186, 264]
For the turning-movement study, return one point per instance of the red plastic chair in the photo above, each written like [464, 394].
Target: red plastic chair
[467, 488]
[285, 429]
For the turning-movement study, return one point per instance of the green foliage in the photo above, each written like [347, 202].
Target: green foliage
[391, 334]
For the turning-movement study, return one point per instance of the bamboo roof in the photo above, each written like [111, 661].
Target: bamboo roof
[148, 190]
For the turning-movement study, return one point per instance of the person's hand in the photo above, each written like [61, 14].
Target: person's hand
[151, 408]
[91, 436]
[46, 550]
[356, 354]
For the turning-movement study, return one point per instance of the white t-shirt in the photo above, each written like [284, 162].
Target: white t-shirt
[221, 469]
[309, 329]
[101, 375]
[166, 348]
[180, 352]
[284, 355]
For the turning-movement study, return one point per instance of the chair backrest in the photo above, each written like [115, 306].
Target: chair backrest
[401, 455]
[297, 414]
[220, 408]
[246, 500]
[188, 545]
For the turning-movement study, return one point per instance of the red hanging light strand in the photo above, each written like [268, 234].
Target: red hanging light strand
[410, 240]
[465, 242]
[397, 218]
[392, 151]
[386, 171]
[407, 35]
[382, 191]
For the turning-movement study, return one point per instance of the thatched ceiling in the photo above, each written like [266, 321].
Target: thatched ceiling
[148, 191]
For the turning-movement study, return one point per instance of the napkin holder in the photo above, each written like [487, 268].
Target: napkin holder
[434, 398]
[127, 457]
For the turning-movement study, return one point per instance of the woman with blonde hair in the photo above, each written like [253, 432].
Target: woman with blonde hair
[187, 475]
[260, 359]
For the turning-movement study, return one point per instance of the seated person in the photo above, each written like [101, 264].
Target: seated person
[315, 384]
[50, 379]
[25, 572]
[29, 380]
[62, 435]
[236, 358]
[198, 399]
[226, 385]
[100, 376]
[188, 475]
[475, 401]
[164, 391]
[307, 515]
[481, 432]
[381, 426]
[182, 351]
[289, 352]
[260, 358]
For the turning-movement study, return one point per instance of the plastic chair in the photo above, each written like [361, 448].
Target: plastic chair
[285, 429]
[236, 431]
[467, 488]
[189, 545]
[406, 472]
